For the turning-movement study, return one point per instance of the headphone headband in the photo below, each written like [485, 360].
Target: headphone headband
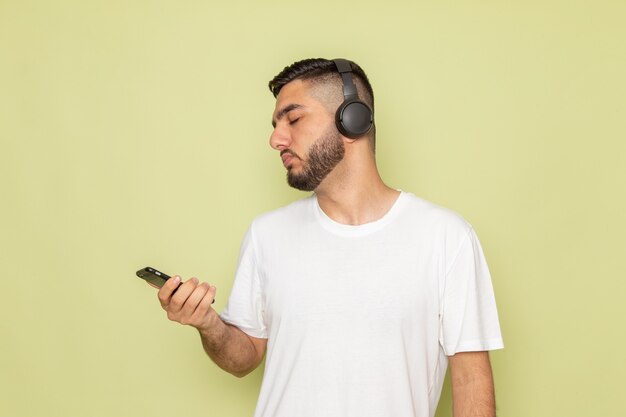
[345, 69]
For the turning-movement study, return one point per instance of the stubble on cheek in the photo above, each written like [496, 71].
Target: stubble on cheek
[323, 157]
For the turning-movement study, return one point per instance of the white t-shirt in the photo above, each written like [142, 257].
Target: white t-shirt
[360, 319]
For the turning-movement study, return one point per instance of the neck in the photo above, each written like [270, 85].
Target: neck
[353, 193]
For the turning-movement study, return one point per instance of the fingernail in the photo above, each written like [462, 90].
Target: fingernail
[176, 279]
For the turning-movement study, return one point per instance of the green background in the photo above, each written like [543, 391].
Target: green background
[135, 133]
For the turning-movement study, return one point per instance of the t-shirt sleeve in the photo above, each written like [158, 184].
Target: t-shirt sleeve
[469, 318]
[245, 304]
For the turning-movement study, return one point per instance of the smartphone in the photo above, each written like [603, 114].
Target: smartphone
[153, 276]
[156, 277]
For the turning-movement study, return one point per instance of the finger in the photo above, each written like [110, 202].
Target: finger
[194, 299]
[166, 291]
[184, 291]
[205, 304]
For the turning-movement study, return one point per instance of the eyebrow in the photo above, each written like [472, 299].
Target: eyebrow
[284, 111]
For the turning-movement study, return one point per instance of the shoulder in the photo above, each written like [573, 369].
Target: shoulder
[434, 216]
[287, 217]
[445, 231]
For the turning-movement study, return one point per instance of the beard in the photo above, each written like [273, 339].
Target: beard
[323, 156]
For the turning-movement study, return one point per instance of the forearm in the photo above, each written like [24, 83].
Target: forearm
[229, 347]
[476, 399]
[472, 387]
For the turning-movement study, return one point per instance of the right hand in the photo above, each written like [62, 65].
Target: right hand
[189, 304]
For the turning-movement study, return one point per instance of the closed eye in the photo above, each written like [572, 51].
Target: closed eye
[294, 121]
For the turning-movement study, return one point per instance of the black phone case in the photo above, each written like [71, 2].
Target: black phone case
[153, 276]
[156, 277]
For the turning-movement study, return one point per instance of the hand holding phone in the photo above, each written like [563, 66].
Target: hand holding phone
[187, 303]
[155, 277]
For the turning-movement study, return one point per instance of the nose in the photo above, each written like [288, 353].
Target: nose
[280, 138]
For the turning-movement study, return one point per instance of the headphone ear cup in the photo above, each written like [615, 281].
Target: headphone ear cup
[354, 118]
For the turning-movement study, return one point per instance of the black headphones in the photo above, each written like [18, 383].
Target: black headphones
[353, 117]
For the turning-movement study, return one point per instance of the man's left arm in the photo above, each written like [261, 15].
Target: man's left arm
[472, 385]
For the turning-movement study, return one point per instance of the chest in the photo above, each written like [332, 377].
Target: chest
[338, 282]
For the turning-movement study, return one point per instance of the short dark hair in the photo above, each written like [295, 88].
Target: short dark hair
[321, 69]
[313, 68]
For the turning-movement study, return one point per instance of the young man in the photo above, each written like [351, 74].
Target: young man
[359, 294]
